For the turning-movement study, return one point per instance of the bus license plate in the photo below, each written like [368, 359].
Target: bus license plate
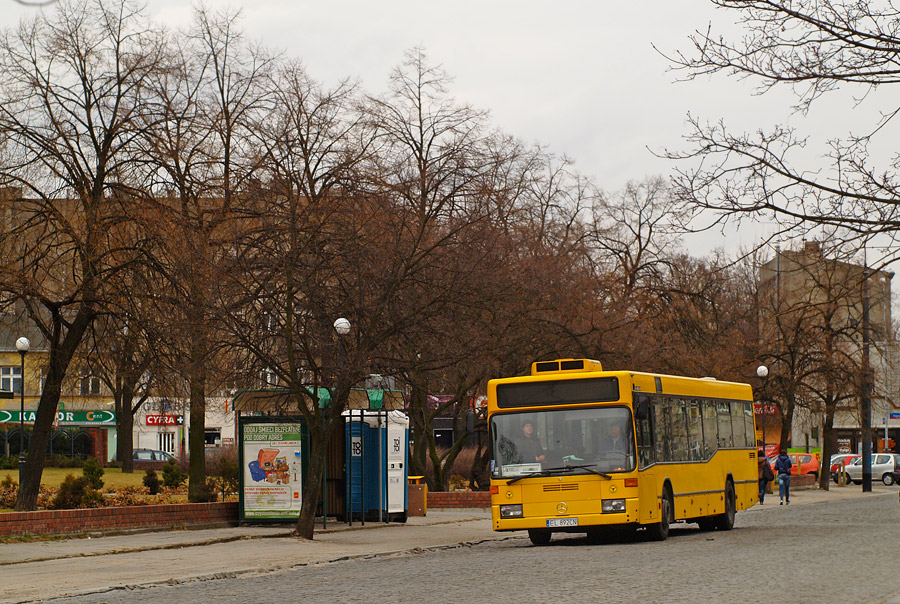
[553, 522]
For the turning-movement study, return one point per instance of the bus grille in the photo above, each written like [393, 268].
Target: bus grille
[566, 486]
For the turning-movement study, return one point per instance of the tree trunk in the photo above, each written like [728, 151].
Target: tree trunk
[829, 446]
[125, 429]
[197, 491]
[60, 356]
[787, 419]
[312, 481]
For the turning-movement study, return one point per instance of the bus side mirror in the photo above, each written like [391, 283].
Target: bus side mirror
[642, 407]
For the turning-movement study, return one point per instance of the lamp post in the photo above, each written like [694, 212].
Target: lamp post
[763, 372]
[341, 328]
[22, 345]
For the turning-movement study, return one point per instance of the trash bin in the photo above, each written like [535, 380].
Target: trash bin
[417, 496]
[377, 454]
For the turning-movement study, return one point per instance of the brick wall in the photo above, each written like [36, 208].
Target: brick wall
[119, 519]
[802, 481]
[459, 499]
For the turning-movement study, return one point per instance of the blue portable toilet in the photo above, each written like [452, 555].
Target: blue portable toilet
[377, 455]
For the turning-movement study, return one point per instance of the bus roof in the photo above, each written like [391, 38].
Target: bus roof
[636, 381]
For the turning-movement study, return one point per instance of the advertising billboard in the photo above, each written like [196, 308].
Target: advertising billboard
[271, 469]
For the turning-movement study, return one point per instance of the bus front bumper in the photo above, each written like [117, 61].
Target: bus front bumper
[563, 521]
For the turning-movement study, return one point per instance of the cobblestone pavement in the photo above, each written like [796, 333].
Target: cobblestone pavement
[824, 547]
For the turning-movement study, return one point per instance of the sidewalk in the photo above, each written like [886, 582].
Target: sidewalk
[50, 569]
[37, 551]
[815, 495]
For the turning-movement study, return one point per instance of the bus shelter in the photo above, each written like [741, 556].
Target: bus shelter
[273, 442]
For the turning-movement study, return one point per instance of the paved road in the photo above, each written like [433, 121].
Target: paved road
[822, 548]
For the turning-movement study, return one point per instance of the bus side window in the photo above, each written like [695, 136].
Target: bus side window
[710, 429]
[660, 430]
[748, 424]
[725, 436]
[678, 431]
[737, 425]
[695, 431]
[644, 436]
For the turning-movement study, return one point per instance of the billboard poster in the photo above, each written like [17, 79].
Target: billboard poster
[271, 468]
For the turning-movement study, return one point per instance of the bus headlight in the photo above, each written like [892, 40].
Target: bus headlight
[611, 506]
[511, 511]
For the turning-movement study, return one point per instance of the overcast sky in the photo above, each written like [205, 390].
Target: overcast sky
[581, 77]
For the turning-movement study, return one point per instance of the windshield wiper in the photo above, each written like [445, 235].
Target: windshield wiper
[560, 469]
[590, 468]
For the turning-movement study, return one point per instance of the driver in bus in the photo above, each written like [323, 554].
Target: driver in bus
[529, 448]
[615, 440]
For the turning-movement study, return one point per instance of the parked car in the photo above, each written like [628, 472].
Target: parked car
[840, 460]
[884, 466]
[151, 455]
[801, 463]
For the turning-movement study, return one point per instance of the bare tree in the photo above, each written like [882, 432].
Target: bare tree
[70, 90]
[198, 160]
[812, 47]
[122, 354]
[297, 267]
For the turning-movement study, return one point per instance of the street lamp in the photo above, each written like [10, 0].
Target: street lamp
[342, 326]
[22, 345]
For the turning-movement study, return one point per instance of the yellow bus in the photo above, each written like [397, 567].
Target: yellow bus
[579, 449]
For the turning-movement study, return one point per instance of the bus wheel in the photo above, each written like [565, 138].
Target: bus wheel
[725, 522]
[539, 536]
[660, 530]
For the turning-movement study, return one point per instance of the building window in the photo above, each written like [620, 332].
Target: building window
[213, 437]
[90, 385]
[269, 378]
[167, 442]
[11, 379]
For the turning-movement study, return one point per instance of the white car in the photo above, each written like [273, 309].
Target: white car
[883, 465]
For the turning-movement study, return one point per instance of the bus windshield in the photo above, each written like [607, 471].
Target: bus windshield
[584, 441]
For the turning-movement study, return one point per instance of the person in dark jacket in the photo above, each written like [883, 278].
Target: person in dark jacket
[765, 474]
[783, 468]
[529, 447]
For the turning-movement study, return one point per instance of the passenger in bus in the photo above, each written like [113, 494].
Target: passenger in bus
[529, 447]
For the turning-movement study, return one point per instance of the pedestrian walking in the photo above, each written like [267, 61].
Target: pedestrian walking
[783, 467]
[766, 475]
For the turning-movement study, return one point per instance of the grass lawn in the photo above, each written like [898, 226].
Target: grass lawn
[112, 477]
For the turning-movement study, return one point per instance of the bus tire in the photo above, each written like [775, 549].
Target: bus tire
[539, 536]
[660, 530]
[725, 522]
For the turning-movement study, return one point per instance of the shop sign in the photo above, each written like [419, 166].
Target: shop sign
[165, 420]
[769, 408]
[98, 417]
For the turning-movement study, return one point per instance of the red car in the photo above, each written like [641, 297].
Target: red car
[801, 463]
[842, 459]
